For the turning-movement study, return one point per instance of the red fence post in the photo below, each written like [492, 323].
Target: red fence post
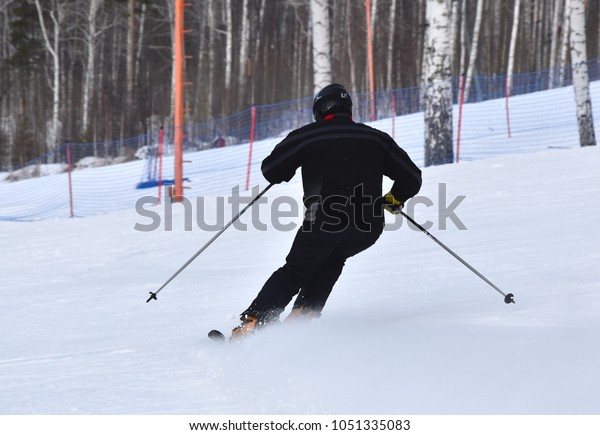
[252, 127]
[507, 111]
[70, 180]
[161, 136]
[461, 100]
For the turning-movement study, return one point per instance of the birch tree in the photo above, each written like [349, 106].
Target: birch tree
[581, 83]
[52, 39]
[510, 70]
[438, 87]
[474, 47]
[390, 48]
[565, 47]
[463, 37]
[90, 66]
[130, 55]
[228, 44]
[555, 42]
[140, 42]
[321, 45]
[244, 43]
[209, 24]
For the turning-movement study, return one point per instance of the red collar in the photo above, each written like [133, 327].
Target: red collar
[332, 115]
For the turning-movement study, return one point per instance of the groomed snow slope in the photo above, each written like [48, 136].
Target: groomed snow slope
[408, 329]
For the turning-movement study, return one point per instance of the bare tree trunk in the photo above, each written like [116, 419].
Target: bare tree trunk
[565, 46]
[556, 22]
[510, 70]
[438, 87]
[390, 47]
[52, 42]
[424, 58]
[463, 37]
[90, 69]
[140, 42]
[581, 83]
[261, 19]
[374, 7]
[454, 32]
[474, 46]
[421, 36]
[374, 27]
[260, 29]
[243, 59]
[525, 53]
[351, 56]
[497, 51]
[100, 108]
[321, 45]
[130, 55]
[228, 45]
[536, 46]
[212, 48]
[170, 5]
[546, 35]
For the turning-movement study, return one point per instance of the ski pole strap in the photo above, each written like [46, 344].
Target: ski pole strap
[201, 250]
[508, 298]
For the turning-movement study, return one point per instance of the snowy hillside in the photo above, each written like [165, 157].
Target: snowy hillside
[408, 329]
[539, 121]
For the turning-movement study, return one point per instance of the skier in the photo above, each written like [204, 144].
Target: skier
[343, 164]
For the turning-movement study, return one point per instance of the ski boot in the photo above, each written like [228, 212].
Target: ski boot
[246, 328]
[302, 314]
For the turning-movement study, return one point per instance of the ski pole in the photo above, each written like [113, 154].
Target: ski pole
[187, 263]
[508, 298]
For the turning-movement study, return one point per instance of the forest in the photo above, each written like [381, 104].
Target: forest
[101, 70]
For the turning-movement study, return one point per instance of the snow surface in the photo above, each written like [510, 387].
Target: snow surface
[408, 329]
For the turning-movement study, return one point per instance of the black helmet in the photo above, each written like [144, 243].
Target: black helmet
[333, 98]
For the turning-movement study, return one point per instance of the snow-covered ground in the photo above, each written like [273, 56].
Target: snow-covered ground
[408, 329]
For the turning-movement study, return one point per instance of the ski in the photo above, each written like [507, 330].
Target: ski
[216, 335]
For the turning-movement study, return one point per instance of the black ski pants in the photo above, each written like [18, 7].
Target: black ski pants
[312, 267]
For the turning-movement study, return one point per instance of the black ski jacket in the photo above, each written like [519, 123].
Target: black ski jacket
[339, 156]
